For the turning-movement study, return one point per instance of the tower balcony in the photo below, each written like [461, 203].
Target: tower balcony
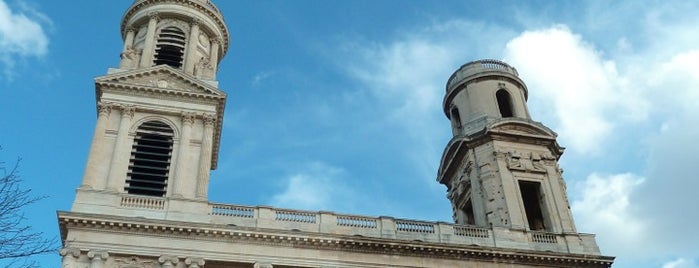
[479, 68]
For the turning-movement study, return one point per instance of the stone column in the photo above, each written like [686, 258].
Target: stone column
[263, 265]
[70, 257]
[149, 48]
[205, 156]
[213, 60]
[191, 55]
[128, 53]
[121, 155]
[96, 170]
[97, 258]
[167, 261]
[194, 262]
[182, 159]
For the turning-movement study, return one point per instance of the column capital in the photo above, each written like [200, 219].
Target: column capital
[168, 260]
[194, 262]
[130, 29]
[195, 22]
[97, 255]
[127, 110]
[188, 118]
[154, 15]
[70, 252]
[104, 108]
[209, 119]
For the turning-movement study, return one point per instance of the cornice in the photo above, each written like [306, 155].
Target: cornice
[299, 239]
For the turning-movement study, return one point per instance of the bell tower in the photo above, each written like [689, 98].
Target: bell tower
[158, 114]
[501, 168]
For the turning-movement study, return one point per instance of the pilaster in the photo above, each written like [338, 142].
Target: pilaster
[205, 156]
[182, 155]
[119, 163]
[96, 171]
[191, 53]
[149, 48]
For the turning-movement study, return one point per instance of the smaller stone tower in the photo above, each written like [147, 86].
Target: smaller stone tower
[501, 167]
[159, 114]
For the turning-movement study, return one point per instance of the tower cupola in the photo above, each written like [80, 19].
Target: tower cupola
[484, 89]
[190, 36]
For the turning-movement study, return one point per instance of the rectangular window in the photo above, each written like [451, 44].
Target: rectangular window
[532, 199]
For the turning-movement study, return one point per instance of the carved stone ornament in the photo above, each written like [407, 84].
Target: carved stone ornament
[134, 262]
[209, 119]
[188, 118]
[97, 255]
[194, 262]
[528, 162]
[70, 252]
[104, 108]
[154, 15]
[130, 57]
[127, 111]
[168, 261]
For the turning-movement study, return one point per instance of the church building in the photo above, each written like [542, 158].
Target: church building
[143, 200]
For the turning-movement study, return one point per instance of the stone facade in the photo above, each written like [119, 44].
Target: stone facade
[143, 200]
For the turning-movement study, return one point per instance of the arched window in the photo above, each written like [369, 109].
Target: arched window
[455, 117]
[504, 103]
[150, 160]
[169, 49]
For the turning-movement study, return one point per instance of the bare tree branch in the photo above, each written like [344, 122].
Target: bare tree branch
[18, 240]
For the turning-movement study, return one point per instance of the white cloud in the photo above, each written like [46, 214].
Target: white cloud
[21, 35]
[572, 85]
[316, 187]
[407, 75]
[680, 263]
[603, 207]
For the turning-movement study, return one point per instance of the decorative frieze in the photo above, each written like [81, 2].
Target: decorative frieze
[134, 262]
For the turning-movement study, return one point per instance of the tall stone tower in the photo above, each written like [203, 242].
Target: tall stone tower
[159, 113]
[500, 168]
[143, 198]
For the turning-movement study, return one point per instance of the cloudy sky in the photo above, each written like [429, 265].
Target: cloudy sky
[335, 105]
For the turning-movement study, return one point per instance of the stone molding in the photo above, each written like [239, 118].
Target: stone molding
[209, 232]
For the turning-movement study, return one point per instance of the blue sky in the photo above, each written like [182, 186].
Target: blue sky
[335, 105]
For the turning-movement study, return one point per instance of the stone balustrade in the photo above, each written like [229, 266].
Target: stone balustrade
[472, 68]
[324, 222]
[387, 227]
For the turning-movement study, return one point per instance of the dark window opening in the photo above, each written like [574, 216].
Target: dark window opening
[169, 48]
[468, 214]
[149, 165]
[455, 117]
[531, 197]
[504, 103]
